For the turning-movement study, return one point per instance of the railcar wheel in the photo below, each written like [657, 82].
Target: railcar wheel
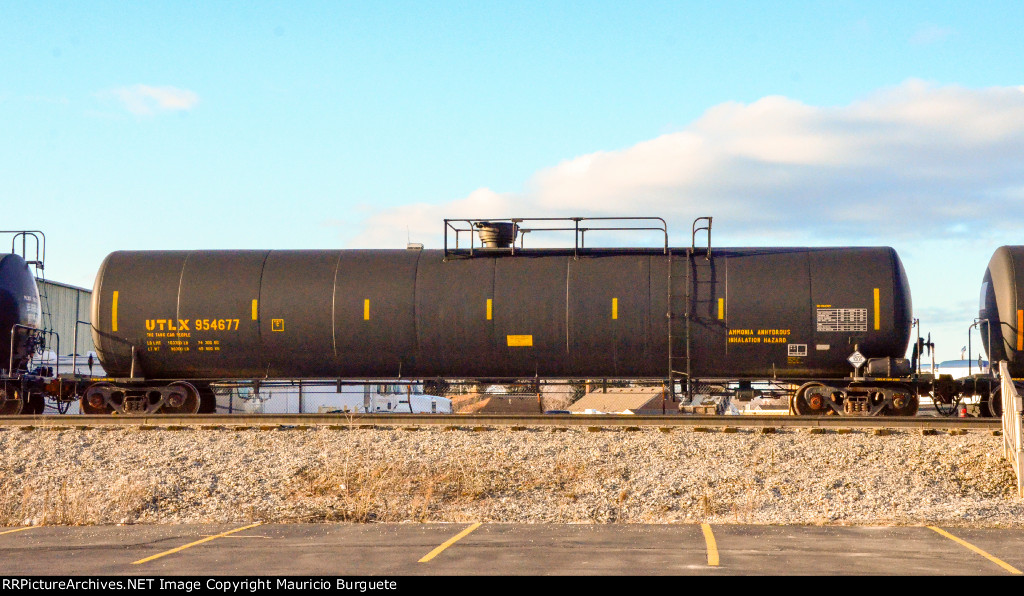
[811, 400]
[207, 399]
[184, 399]
[10, 404]
[993, 405]
[93, 401]
[905, 403]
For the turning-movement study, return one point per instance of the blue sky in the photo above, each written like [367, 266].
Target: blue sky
[352, 124]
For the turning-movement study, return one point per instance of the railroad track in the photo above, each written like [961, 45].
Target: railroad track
[359, 421]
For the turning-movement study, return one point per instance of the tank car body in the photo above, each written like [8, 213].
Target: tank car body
[793, 314]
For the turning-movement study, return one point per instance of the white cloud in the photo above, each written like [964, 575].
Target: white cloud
[914, 159]
[144, 100]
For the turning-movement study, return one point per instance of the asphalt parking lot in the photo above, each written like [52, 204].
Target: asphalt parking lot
[507, 549]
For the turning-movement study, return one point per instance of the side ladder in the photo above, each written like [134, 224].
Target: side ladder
[681, 285]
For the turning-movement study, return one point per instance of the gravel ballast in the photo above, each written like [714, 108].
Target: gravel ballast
[529, 475]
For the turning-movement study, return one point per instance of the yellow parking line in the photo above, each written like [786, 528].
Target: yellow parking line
[449, 542]
[16, 530]
[191, 544]
[970, 546]
[709, 538]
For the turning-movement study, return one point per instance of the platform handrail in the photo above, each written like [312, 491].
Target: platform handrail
[24, 235]
[1013, 413]
[459, 227]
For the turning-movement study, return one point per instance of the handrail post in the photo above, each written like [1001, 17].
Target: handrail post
[74, 349]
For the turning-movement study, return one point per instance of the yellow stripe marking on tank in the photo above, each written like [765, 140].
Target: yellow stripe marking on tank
[615, 308]
[366, 309]
[113, 313]
[521, 341]
[1020, 330]
[490, 310]
[721, 309]
[255, 309]
[878, 322]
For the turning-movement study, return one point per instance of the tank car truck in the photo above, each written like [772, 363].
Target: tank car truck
[831, 325]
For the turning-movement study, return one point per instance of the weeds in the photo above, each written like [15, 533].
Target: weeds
[69, 501]
[407, 489]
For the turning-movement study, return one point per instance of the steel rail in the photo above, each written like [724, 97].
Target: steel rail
[271, 421]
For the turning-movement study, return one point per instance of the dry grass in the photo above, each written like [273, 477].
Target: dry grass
[71, 501]
[365, 491]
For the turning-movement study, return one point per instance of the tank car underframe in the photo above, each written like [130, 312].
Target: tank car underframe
[856, 398]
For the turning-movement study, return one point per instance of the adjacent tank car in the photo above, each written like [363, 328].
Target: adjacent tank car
[20, 315]
[1001, 319]
[20, 322]
[170, 322]
[25, 390]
